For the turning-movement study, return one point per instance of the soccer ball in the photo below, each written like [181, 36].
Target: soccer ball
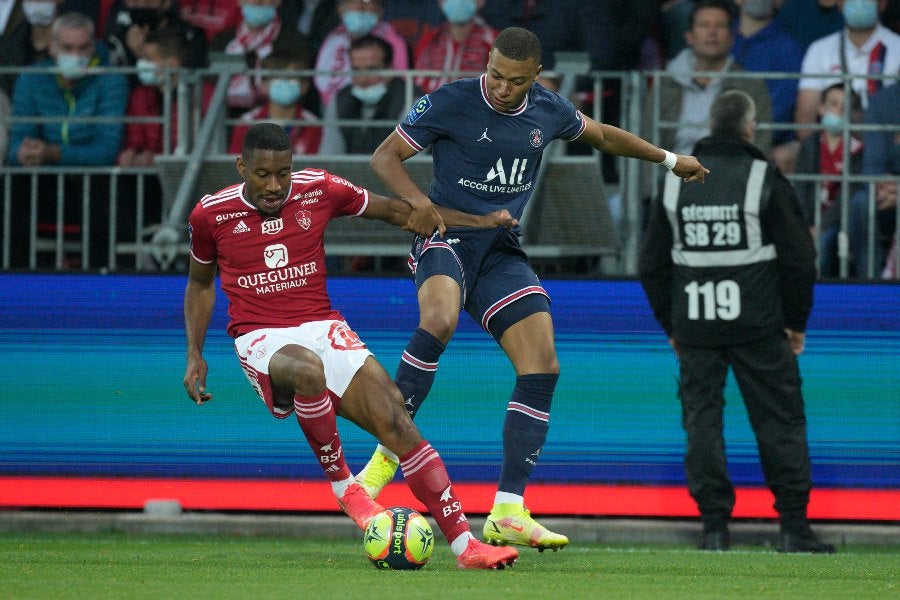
[398, 538]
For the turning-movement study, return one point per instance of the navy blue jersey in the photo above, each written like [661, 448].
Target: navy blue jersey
[486, 160]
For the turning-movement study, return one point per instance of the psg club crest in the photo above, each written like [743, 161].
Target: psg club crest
[304, 218]
[536, 138]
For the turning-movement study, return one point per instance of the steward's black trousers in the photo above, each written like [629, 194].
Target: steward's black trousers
[769, 379]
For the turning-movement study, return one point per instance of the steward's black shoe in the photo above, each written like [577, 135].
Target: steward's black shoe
[803, 541]
[716, 541]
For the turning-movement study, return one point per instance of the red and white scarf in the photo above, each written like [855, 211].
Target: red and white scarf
[244, 92]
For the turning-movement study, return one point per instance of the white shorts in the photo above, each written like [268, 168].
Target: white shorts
[338, 346]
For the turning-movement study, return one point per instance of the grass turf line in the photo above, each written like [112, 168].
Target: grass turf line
[119, 565]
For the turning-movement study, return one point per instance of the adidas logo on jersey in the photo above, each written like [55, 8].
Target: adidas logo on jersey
[241, 227]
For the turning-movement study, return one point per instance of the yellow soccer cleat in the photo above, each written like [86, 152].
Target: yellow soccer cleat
[512, 524]
[377, 473]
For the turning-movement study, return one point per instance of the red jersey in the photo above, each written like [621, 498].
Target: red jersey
[272, 268]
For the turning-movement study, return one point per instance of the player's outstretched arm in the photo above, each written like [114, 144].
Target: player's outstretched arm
[613, 140]
[387, 162]
[396, 212]
[199, 299]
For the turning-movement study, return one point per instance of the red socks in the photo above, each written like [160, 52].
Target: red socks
[428, 480]
[318, 421]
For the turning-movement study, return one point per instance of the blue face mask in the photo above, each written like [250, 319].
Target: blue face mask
[459, 11]
[284, 91]
[860, 14]
[146, 72]
[72, 66]
[257, 16]
[370, 96]
[833, 123]
[359, 22]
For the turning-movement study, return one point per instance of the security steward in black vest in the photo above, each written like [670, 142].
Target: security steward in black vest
[728, 268]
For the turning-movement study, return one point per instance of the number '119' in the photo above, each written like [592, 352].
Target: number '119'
[720, 300]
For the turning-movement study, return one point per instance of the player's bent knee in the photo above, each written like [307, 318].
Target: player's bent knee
[299, 369]
[441, 325]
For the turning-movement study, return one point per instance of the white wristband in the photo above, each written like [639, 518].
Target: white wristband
[670, 160]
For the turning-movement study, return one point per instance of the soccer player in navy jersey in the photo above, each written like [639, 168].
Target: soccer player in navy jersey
[265, 236]
[487, 136]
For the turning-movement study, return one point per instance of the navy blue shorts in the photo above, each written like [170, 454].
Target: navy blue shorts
[498, 287]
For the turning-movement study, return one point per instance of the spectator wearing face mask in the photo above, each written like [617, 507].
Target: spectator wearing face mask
[461, 44]
[72, 92]
[164, 51]
[863, 47]
[26, 39]
[260, 32]
[823, 154]
[369, 96]
[284, 104]
[358, 18]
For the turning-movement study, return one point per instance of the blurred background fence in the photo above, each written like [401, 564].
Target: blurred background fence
[585, 219]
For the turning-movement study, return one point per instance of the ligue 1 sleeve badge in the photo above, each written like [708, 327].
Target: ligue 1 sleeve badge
[304, 218]
[536, 138]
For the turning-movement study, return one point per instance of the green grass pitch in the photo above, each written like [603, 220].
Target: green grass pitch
[135, 566]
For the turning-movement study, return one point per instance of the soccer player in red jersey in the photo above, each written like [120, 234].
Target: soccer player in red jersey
[265, 236]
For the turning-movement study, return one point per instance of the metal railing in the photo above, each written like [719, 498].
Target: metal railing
[620, 200]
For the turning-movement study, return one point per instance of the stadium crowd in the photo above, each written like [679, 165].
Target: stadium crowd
[340, 39]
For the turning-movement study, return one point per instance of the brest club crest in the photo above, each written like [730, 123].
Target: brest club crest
[536, 138]
[304, 218]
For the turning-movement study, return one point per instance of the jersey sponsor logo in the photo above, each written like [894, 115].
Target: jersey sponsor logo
[281, 277]
[313, 194]
[272, 225]
[308, 197]
[516, 172]
[536, 137]
[499, 181]
[418, 109]
[229, 216]
[342, 181]
[275, 256]
[484, 136]
[240, 228]
[304, 218]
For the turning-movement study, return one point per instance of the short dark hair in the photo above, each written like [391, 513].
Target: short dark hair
[517, 43]
[283, 58]
[172, 44]
[373, 40]
[855, 101]
[699, 5]
[730, 113]
[265, 136]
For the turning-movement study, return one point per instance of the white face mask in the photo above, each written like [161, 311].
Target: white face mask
[146, 72]
[39, 12]
[72, 66]
[371, 95]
